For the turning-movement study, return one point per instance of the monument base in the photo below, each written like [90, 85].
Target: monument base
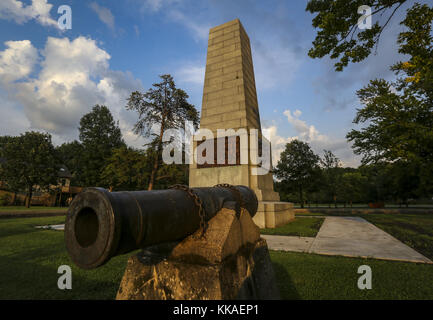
[230, 261]
[273, 214]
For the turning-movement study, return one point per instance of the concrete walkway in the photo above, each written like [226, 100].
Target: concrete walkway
[350, 237]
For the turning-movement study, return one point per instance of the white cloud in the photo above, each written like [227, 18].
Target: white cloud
[191, 73]
[157, 5]
[153, 5]
[199, 31]
[278, 143]
[137, 30]
[17, 60]
[13, 121]
[73, 77]
[20, 13]
[104, 14]
[308, 133]
[275, 66]
[297, 113]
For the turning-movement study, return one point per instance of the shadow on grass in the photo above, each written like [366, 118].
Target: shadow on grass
[38, 280]
[284, 282]
[24, 226]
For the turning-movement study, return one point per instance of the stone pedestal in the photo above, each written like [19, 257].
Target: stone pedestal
[272, 214]
[230, 261]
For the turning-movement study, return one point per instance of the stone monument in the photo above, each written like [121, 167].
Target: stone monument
[230, 102]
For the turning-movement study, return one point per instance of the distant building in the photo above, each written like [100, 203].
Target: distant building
[59, 195]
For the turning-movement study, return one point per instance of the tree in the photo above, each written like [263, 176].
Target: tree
[377, 181]
[352, 187]
[165, 106]
[99, 135]
[30, 162]
[70, 154]
[126, 169]
[399, 125]
[404, 181]
[12, 182]
[332, 176]
[399, 115]
[339, 36]
[297, 167]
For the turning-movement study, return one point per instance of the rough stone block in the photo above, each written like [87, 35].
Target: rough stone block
[231, 261]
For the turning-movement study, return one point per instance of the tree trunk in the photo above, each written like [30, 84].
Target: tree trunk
[301, 196]
[156, 160]
[29, 196]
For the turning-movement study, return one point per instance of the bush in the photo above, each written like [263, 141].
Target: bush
[5, 199]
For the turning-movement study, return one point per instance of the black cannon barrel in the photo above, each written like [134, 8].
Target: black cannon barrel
[102, 224]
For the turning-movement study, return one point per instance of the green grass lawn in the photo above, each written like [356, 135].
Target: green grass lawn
[35, 208]
[311, 276]
[301, 227]
[415, 230]
[360, 205]
[29, 259]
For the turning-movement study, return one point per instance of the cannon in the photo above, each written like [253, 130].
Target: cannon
[102, 224]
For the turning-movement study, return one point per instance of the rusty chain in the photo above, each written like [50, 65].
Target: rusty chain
[236, 194]
[197, 201]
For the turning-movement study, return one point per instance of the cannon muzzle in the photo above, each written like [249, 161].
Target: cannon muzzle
[102, 224]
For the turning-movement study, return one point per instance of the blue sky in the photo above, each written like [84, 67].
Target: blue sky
[50, 78]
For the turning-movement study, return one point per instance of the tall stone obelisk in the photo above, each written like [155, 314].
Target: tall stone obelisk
[230, 102]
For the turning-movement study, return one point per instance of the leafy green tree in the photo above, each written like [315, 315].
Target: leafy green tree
[165, 106]
[416, 74]
[331, 174]
[398, 116]
[404, 181]
[353, 187]
[129, 169]
[399, 125]
[126, 169]
[297, 168]
[338, 34]
[70, 154]
[378, 183]
[3, 141]
[8, 181]
[30, 162]
[99, 135]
